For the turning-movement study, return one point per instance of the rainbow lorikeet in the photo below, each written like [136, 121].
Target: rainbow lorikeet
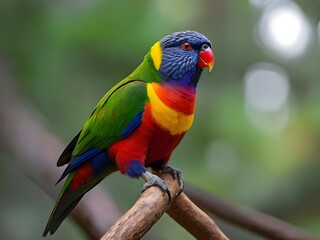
[138, 123]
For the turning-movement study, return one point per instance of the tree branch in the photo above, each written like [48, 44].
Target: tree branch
[260, 223]
[152, 204]
[194, 220]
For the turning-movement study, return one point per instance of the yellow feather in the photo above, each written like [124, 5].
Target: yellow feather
[173, 121]
[156, 55]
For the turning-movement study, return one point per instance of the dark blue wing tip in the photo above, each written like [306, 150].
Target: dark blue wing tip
[77, 161]
[135, 122]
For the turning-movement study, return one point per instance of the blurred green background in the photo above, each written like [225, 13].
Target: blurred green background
[256, 136]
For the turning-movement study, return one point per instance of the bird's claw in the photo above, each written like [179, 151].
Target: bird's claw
[154, 180]
[176, 174]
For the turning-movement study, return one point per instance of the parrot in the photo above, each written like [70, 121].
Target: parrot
[138, 123]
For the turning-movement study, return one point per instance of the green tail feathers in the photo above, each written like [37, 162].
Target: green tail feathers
[66, 202]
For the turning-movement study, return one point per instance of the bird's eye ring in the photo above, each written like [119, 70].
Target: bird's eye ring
[186, 46]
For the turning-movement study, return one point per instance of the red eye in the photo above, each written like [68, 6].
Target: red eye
[186, 46]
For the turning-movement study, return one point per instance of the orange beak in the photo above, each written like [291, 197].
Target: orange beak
[206, 59]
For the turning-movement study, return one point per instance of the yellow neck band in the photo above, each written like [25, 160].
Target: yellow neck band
[156, 55]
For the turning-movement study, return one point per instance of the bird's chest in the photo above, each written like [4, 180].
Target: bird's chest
[160, 142]
[172, 108]
[166, 118]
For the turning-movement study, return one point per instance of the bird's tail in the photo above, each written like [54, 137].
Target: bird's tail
[79, 182]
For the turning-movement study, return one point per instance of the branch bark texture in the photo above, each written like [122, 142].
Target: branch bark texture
[194, 220]
[152, 204]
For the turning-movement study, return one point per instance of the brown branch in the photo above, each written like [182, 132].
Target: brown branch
[255, 221]
[194, 220]
[35, 151]
[152, 204]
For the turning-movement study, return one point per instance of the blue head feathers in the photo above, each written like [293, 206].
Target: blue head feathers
[180, 56]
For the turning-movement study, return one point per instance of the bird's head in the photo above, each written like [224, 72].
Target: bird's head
[181, 56]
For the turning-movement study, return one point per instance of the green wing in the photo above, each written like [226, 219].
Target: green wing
[112, 116]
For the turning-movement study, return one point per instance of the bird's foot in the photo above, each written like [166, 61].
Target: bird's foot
[176, 174]
[154, 180]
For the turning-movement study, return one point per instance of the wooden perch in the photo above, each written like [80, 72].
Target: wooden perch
[152, 204]
[194, 220]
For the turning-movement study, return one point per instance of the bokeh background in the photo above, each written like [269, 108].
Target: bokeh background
[256, 136]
